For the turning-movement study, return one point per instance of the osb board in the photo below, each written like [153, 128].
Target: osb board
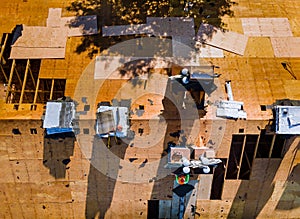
[267, 27]
[277, 89]
[37, 53]
[172, 26]
[150, 144]
[212, 209]
[295, 25]
[259, 47]
[227, 40]
[230, 189]
[206, 51]
[286, 46]
[246, 69]
[233, 24]
[106, 67]
[131, 209]
[139, 191]
[152, 106]
[139, 47]
[159, 26]
[29, 188]
[34, 36]
[182, 47]
[204, 188]
[39, 42]
[264, 92]
[126, 30]
[75, 26]
[80, 26]
[292, 89]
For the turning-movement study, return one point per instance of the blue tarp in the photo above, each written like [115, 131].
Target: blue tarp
[51, 131]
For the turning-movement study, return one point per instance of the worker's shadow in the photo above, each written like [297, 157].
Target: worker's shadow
[101, 185]
[58, 148]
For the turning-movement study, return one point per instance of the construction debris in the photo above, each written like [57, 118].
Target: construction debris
[38, 42]
[230, 108]
[59, 117]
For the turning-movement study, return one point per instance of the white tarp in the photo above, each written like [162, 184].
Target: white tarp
[120, 119]
[287, 119]
[52, 115]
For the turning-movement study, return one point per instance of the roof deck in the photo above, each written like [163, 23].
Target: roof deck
[67, 177]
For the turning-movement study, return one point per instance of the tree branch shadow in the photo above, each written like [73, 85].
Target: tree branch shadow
[135, 12]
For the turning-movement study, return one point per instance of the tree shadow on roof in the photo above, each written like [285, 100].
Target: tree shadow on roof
[136, 11]
[211, 12]
[86, 23]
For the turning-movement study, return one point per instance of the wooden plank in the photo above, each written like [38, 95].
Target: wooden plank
[241, 159]
[10, 78]
[229, 41]
[2, 60]
[37, 53]
[119, 30]
[272, 145]
[36, 91]
[267, 27]
[24, 81]
[52, 88]
[3, 72]
[204, 188]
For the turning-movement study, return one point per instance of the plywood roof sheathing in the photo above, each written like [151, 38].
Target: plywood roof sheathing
[226, 40]
[286, 46]
[266, 27]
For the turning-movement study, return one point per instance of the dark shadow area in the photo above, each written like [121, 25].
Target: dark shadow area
[287, 66]
[176, 100]
[45, 85]
[153, 209]
[87, 24]
[218, 181]
[287, 102]
[58, 148]
[291, 195]
[212, 11]
[253, 194]
[135, 12]
[99, 194]
[256, 190]
[180, 122]
[100, 186]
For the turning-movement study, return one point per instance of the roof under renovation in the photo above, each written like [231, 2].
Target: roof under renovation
[149, 109]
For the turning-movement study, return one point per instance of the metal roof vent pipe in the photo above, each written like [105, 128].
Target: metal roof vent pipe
[229, 90]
